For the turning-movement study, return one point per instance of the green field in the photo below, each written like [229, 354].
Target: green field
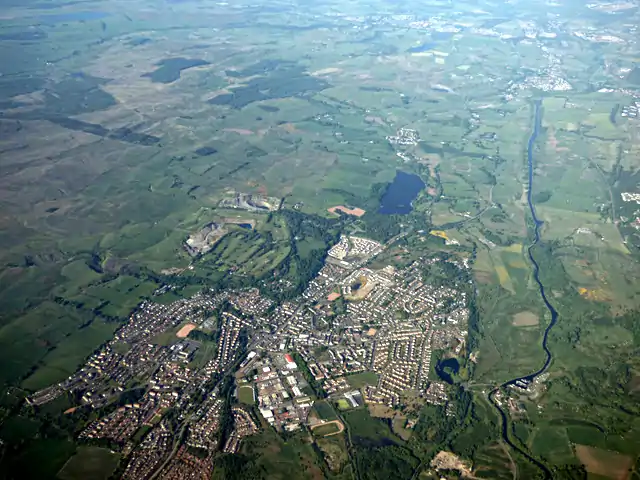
[16, 428]
[291, 459]
[27, 340]
[40, 458]
[361, 380]
[552, 444]
[324, 410]
[206, 352]
[90, 463]
[367, 429]
[70, 353]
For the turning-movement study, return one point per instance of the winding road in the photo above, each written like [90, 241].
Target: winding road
[525, 380]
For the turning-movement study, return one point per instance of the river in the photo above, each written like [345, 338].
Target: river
[525, 380]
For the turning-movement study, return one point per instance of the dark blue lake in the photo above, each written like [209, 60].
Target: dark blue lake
[425, 47]
[400, 193]
[447, 368]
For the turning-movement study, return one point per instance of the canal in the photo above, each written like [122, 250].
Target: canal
[525, 380]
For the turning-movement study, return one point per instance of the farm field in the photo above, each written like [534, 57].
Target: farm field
[90, 463]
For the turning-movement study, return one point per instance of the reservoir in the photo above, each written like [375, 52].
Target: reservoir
[400, 193]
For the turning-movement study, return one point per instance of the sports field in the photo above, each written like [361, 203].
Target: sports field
[327, 429]
[246, 395]
[185, 330]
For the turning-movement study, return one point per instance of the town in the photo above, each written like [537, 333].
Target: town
[160, 383]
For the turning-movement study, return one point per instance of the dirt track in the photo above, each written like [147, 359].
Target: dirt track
[337, 422]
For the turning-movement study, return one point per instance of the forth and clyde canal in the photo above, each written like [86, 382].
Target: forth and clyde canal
[525, 380]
